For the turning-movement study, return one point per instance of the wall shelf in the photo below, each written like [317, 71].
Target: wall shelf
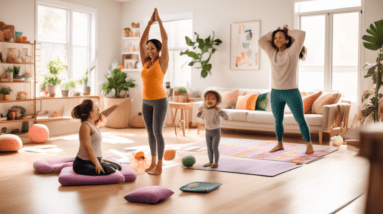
[15, 101]
[16, 63]
[15, 121]
[74, 97]
[131, 38]
[127, 70]
[136, 52]
[18, 82]
[18, 43]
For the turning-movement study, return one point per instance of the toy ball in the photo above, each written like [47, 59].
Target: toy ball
[337, 140]
[139, 155]
[188, 161]
[170, 154]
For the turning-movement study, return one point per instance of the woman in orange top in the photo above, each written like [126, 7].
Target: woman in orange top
[155, 102]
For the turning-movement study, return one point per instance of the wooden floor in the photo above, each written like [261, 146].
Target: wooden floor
[319, 187]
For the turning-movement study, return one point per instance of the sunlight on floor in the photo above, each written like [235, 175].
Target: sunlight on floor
[41, 149]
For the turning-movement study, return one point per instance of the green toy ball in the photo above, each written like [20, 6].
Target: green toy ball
[337, 140]
[188, 161]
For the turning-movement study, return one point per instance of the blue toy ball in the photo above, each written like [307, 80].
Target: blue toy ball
[188, 161]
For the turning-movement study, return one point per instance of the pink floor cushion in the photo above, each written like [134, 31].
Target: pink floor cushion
[149, 194]
[10, 143]
[39, 133]
[50, 165]
[68, 177]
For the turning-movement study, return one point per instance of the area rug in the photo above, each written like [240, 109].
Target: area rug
[259, 149]
[250, 166]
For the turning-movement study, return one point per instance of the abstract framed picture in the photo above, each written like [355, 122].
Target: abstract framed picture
[244, 49]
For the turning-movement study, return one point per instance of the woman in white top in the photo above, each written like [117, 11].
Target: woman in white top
[284, 54]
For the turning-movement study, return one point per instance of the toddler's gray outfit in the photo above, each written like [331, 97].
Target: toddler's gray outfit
[213, 131]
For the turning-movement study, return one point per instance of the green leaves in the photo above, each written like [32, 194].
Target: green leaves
[204, 46]
[70, 84]
[375, 41]
[117, 81]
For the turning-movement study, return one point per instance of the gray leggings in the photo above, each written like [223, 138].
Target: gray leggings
[154, 113]
[212, 142]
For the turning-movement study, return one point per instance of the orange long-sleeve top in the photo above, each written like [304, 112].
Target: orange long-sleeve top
[152, 82]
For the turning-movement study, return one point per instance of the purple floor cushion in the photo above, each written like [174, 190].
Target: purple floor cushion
[68, 177]
[149, 194]
[49, 165]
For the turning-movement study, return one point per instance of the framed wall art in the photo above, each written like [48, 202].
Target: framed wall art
[244, 49]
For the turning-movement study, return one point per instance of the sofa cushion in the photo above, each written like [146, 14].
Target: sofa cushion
[244, 91]
[237, 114]
[229, 99]
[260, 117]
[247, 102]
[325, 99]
[309, 100]
[264, 117]
[262, 102]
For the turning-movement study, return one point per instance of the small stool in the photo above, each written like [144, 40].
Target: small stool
[39, 133]
[184, 119]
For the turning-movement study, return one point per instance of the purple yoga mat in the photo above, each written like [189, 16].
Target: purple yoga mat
[250, 166]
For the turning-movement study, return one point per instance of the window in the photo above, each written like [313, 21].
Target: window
[66, 31]
[332, 41]
[179, 72]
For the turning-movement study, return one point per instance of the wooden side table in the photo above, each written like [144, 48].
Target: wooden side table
[371, 147]
[184, 118]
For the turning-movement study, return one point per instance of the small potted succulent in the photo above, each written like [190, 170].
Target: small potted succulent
[16, 71]
[182, 94]
[10, 74]
[67, 86]
[127, 32]
[84, 80]
[43, 87]
[6, 92]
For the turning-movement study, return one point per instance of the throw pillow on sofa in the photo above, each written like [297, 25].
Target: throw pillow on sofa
[261, 102]
[324, 99]
[247, 102]
[229, 99]
[309, 100]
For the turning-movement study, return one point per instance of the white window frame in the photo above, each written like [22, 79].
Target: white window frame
[92, 45]
[329, 43]
[170, 18]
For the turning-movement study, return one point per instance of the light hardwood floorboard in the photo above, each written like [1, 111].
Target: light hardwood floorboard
[319, 187]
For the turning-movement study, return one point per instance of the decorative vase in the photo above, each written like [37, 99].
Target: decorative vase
[65, 93]
[11, 77]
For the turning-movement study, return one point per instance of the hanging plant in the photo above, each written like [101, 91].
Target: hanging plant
[204, 46]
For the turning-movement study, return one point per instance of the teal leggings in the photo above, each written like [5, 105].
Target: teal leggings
[293, 98]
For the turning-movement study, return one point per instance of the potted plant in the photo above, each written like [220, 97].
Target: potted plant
[84, 80]
[374, 42]
[16, 71]
[56, 67]
[6, 92]
[43, 87]
[67, 86]
[204, 46]
[117, 82]
[127, 31]
[182, 94]
[10, 74]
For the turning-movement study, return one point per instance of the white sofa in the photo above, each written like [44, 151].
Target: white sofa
[264, 120]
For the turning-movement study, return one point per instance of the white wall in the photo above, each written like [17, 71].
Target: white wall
[215, 15]
[21, 14]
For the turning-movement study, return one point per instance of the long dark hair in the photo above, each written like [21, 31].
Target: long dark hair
[285, 30]
[83, 110]
[156, 43]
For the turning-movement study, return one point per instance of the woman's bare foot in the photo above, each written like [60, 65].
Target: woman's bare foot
[214, 165]
[277, 147]
[207, 164]
[152, 165]
[156, 170]
[310, 149]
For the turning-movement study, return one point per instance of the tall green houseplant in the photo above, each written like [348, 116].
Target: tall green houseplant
[204, 46]
[56, 67]
[374, 42]
[117, 81]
